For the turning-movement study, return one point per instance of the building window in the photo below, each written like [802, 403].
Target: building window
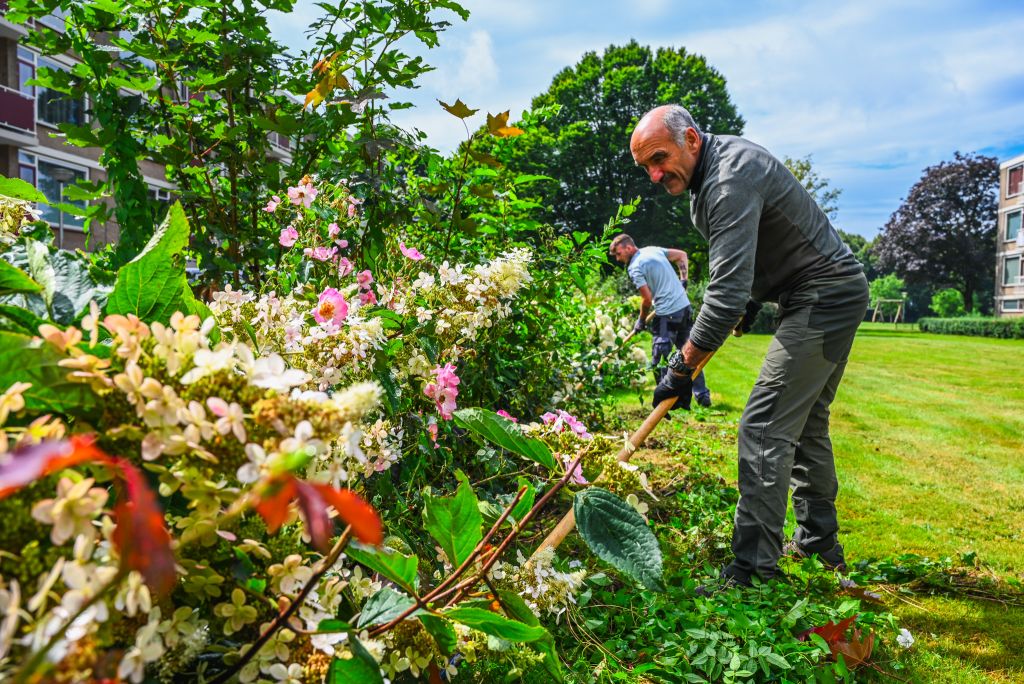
[1012, 305]
[1011, 271]
[160, 202]
[57, 108]
[1013, 224]
[1013, 180]
[53, 178]
[26, 71]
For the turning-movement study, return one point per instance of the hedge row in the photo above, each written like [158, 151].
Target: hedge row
[1012, 328]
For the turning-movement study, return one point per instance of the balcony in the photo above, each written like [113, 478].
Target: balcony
[17, 117]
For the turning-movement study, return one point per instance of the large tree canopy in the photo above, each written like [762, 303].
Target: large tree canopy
[585, 144]
[944, 232]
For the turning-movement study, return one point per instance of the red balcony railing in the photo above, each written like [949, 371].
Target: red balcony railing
[17, 110]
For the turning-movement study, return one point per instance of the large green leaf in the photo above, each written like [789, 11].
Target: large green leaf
[19, 189]
[152, 285]
[361, 668]
[66, 281]
[400, 569]
[24, 359]
[17, 319]
[619, 535]
[382, 607]
[442, 631]
[496, 625]
[505, 434]
[13, 279]
[455, 521]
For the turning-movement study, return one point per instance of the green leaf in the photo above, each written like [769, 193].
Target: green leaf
[529, 178]
[505, 434]
[19, 189]
[384, 606]
[496, 625]
[152, 285]
[619, 535]
[526, 503]
[333, 625]
[454, 522]
[400, 569]
[361, 668]
[24, 359]
[442, 631]
[17, 319]
[13, 279]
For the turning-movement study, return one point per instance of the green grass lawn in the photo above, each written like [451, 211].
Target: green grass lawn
[928, 432]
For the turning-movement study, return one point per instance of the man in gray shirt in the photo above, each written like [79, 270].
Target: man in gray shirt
[767, 241]
[650, 269]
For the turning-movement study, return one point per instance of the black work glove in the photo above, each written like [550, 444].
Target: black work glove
[674, 385]
[639, 325]
[749, 316]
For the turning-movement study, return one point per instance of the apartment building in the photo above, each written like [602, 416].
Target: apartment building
[1010, 239]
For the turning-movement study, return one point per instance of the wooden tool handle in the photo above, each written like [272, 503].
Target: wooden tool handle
[568, 521]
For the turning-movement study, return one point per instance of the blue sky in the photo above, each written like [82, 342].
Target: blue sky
[874, 90]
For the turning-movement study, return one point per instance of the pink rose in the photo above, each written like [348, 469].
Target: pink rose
[333, 230]
[367, 298]
[288, 236]
[364, 278]
[272, 204]
[344, 267]
[332, 307]
[323, 253]
[302, 194]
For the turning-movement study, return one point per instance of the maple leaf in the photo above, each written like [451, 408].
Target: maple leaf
[313, 499]
[27, 464]
[498, 125]
[141, 536]
[459, 109]
[856, 650]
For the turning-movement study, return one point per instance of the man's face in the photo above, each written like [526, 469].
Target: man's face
[622, 253]
[665, 161]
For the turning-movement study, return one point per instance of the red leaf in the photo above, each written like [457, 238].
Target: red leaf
[857, 650]
[26, 465]
[274, 501]
[141, 536]
[831, 632]
[354, 511]
[313, 509]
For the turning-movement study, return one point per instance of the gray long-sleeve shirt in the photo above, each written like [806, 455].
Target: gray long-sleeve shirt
[766, 234]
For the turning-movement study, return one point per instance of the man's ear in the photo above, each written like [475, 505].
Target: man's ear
[692, 139]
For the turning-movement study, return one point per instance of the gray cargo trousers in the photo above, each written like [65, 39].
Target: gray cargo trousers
[783, 435]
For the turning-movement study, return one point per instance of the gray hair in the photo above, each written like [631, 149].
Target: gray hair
[677, 119]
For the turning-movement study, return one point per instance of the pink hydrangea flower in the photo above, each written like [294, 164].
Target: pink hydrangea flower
[559, 420]
[410, 252]
[364, 279]
[288, 236]
[321, 253]
[302, 194]
[333, 230]
[444, 390]
[272, 204]
[577, 472]
[332, 307]
[505, 414]
[344, 267]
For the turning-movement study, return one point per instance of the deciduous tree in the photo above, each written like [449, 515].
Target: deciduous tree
[944, 232]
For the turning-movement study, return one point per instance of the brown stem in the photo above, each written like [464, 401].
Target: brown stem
[323, 566]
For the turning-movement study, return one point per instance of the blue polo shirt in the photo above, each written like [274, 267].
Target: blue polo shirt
[650, 266]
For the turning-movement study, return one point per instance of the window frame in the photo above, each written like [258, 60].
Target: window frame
[34, 166]
[1005, 309]
[1006, 224]
[1015, 167]
[1006, 261]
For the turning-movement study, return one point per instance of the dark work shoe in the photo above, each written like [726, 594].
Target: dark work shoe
[833, 559]
[704, 400]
